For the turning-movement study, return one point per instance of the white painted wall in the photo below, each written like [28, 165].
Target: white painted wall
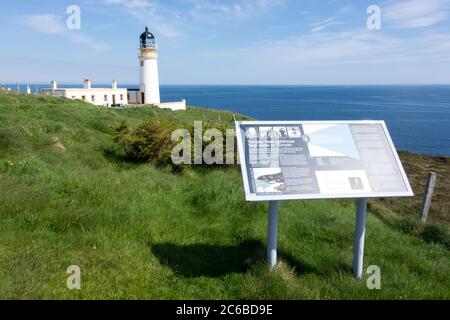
[94, 96]
[174, 106]
[150, 80]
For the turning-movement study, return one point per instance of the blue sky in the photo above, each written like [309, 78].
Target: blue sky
[228, 42]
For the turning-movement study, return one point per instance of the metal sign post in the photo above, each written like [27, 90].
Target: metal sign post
[272, 235]
[360, 233]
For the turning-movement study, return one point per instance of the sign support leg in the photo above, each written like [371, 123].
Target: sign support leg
[272, 234]
[360, 233]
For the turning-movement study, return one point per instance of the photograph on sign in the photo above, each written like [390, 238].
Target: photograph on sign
[322, 159]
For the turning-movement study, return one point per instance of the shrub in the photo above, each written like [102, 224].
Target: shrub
[218, 126]
[152, 141]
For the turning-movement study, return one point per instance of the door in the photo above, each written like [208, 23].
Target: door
[114, 100]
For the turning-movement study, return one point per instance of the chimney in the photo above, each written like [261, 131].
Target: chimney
[114, 84]
[87, 83]
[54, 85]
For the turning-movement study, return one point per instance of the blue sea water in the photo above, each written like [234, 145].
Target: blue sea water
[418, 117]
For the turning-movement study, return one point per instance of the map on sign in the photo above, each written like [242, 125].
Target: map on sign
[319, 160]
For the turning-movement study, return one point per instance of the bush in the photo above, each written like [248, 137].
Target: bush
[152, 141]
[217, 126]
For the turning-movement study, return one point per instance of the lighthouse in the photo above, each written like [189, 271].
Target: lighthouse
[149, 78]
[147, 93]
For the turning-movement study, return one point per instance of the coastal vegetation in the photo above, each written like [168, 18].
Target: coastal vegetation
[169, 143]
[71, 195]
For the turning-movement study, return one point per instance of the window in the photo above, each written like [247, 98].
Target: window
[106, 98]
[142, 63]
[83, 98]
[93, 98]
[121, 97]
[73, 97]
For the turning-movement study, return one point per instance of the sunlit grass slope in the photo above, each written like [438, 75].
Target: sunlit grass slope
[140, 232]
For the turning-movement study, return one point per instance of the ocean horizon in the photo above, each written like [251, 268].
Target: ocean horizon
[417, 116]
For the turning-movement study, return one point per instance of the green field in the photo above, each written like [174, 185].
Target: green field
[142, 232]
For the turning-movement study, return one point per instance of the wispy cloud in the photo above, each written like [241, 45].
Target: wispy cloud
[324, 24]
[347, 9]
[86, 40]
[46, 23]
[161, 18]
[416, 13]
[359, 46]
[168, 21]
[53, 24]
[210, 10]
[133, 4]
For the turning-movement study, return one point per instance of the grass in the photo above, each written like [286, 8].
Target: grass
[139, 232]
[403, 213]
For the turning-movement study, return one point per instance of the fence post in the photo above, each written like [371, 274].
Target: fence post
[427, 196]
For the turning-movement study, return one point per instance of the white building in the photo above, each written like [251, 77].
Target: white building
[148, 92]
[108, 97]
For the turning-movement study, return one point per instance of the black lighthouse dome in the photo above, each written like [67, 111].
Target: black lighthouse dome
[147, 39]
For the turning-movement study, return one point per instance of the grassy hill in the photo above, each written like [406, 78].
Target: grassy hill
[139, 232]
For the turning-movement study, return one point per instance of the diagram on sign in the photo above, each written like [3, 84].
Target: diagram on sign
[330, 141]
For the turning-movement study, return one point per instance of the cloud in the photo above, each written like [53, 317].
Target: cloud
[209, 10]
[46, 23]
[324, 24]
[416, 13]
[161, 18]
[132, 4]
[54, 25]
[358, 46]
[86, 40]
[334, 47]
[169, 21]
[347, 9]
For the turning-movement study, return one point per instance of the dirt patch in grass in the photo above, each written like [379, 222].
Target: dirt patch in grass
[57, 144]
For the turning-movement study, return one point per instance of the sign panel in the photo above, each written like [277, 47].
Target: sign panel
[289, 160]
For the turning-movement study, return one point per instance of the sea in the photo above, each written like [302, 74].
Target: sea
[418, 117]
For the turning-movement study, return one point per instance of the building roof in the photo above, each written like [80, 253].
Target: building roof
[85, 89]
[147, 39]
[146, 35]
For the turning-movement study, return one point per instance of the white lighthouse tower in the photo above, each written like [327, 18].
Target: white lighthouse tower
[149, 79]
